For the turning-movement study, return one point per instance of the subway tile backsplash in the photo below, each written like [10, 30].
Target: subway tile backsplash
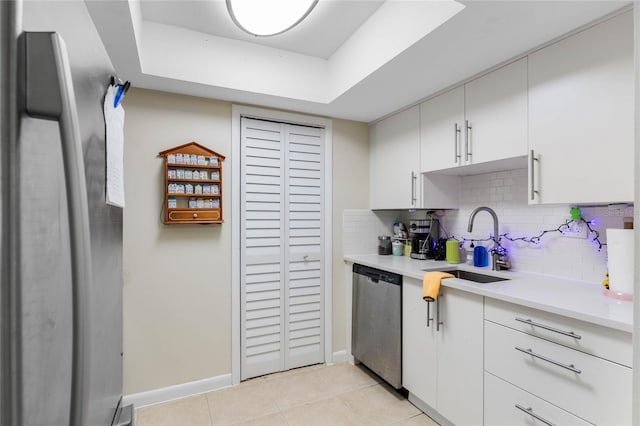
[360, 229]
[506, 193]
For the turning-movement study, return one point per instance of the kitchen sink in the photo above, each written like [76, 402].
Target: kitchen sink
[475, 277]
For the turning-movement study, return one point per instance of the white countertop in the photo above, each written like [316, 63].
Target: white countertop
[575, 299]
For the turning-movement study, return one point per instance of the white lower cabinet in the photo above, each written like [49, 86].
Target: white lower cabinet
[442, 363]
[593, 339]
[507, 405]
[483, 361]
[592, 388]
[459, 352]
[418, 344]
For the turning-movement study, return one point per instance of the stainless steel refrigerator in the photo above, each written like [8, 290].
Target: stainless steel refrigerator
[61, 252]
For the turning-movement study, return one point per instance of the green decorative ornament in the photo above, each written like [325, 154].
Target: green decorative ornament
[576, 214]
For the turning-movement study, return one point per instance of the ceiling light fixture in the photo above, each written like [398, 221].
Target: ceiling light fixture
[265, 18]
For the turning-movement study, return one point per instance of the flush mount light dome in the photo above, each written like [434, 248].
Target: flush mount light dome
[269, 17]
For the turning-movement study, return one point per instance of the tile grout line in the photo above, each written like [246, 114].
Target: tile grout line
[208, 409]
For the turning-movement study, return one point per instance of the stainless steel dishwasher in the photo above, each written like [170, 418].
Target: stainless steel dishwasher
[376, 327]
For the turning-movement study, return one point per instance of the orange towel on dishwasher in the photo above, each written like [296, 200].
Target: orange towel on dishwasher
[431, 284]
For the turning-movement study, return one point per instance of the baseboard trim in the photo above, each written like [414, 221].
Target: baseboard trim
[169, 393]
[339, 356]
[183, 390]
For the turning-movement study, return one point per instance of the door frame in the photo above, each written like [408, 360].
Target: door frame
[238, 111]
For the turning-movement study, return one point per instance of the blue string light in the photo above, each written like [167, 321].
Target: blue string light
[537, 238]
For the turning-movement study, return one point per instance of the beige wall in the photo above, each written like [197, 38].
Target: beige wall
[177, 287]
[350, 191]
[176, 284]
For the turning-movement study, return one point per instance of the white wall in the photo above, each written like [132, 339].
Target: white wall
[177, 284]
[506, 193]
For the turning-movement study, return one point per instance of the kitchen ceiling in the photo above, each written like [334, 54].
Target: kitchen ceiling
[352, 59]
[311, 37]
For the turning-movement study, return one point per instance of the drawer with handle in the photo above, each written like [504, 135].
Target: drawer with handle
[592, 388]
[507, 405]
[604, 342]
[194, 215]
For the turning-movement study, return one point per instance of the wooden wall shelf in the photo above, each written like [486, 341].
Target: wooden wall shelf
[192, 185]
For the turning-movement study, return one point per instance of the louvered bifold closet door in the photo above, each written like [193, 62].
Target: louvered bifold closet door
[282, 248]
[305, 260]
[263, 239]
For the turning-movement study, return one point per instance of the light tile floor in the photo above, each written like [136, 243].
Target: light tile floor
[341, 394]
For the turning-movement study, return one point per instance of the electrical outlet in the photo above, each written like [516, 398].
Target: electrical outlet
[617, 210]
[576, 230]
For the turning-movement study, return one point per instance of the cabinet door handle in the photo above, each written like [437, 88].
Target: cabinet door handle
[429, 319]
[456, 143]
[468, 141]
[546, 327]
[438, 322]
[530, 412]
[413, 188]
[529, 351]
[532, 160]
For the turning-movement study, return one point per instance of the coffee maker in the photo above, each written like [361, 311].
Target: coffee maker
[424, 234]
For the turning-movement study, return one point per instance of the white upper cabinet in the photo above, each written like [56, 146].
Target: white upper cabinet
[395, 161]
[496, 115]
[441, 131]
[581, 106]
[485, 120]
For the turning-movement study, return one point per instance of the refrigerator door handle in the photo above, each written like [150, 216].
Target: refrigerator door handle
[49, 95]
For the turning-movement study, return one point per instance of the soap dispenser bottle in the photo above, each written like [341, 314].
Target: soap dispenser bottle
[480, 256]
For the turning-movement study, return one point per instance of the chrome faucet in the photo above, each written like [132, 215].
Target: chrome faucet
[499, 259]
